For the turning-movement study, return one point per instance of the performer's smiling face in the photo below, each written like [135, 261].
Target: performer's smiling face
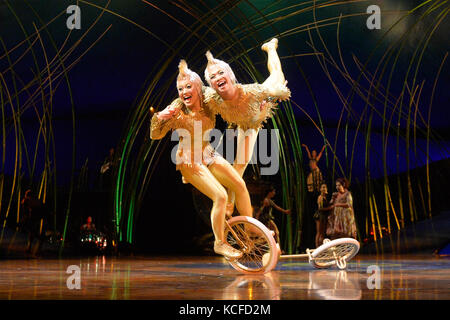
[220, 80]
[187, 92]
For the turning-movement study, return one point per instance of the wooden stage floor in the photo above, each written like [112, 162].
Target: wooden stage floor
[404, 277]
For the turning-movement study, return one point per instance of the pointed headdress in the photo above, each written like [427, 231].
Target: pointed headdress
[225, 66]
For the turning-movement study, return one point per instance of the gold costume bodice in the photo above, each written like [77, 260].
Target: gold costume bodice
[191, 127]
[247, 112]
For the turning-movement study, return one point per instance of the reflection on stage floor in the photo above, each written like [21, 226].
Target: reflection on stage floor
[403, 277]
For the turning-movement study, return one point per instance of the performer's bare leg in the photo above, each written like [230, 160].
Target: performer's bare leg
[275, 230]
[244, 151]
[276, 76]
[245, 145]
[246, 141]
[202, 179]
[231, 179]
[318, 237]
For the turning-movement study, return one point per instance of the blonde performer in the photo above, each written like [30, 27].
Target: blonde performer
[197, 161]
[246, 105]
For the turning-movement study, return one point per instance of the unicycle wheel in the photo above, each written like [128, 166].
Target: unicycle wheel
[335, 252]
[260, 253]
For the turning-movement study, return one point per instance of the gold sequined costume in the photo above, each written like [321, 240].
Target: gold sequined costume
[189, 151]
[248, 112]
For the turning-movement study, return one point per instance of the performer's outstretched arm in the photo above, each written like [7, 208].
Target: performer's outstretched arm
[162, 122]
[307, 150]
[287, 211]
[320, 154]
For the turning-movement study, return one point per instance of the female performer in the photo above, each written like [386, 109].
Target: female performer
[315, 177]
[341, 221]
[265, 215]
[321, 215]
[249, 105]
[197, 161]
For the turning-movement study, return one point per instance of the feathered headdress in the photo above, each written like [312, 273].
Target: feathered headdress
[225, 66]
[185, 72]
[210, 57]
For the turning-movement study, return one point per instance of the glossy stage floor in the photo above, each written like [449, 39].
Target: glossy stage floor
[404, 277]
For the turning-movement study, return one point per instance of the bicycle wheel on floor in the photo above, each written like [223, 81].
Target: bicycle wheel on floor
[335, 252]
[260, 253]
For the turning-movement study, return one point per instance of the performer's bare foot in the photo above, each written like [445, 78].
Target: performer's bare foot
[226, 250]
[272, 44]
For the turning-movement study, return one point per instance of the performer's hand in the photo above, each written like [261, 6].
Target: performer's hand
[288, 211]
[167, 113]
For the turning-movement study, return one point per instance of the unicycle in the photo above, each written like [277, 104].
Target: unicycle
[255, 241]
[336, 252]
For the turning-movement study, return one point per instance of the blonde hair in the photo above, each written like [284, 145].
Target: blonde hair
[222, 64]
[184, 72]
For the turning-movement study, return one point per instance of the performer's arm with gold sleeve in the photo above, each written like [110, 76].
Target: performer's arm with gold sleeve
[163, 121]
